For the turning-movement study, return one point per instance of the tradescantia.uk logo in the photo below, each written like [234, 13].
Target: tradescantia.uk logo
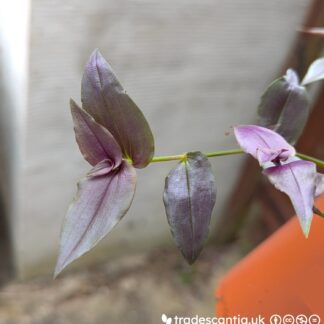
[166, 319]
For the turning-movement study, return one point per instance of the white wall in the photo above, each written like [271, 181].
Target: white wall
[14, 47]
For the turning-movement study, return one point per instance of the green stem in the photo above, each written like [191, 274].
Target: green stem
[181, 157]
[224, 153]
[168, 158]
[312, 159]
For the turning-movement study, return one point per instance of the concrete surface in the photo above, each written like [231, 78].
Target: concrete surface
[132, 290]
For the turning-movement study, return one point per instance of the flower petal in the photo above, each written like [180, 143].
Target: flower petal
[315, 72]
[95, 142]
[297, 180]
[104, 98]
[99, 205]
[262, 143]
[284, 107]
[189, 198]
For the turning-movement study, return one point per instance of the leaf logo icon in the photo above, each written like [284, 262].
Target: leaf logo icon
[166, 319]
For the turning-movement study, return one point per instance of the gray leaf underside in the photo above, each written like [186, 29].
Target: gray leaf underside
[100, 204]
[284, 107]
[95, 142]
[189, 198]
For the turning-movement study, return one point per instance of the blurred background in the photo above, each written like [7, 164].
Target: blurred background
[195, 68]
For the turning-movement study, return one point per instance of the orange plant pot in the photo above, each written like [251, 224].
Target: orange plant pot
[283, 275]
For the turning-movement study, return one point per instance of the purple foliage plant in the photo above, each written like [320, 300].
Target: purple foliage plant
[115, 138]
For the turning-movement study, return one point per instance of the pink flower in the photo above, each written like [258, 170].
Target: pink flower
[289, 174]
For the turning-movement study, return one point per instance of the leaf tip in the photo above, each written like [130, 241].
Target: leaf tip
[64, 260]
[305, 225]
[96, 57]
[292, 77]
[95, 53]
[58, 268]
[73, 104]
[192, 258]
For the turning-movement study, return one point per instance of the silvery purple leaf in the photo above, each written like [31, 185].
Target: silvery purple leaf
[274, 99]
[315, 72]
[284, 107]
[189, 198]
[319, 183]
[95, 142]
[263, 144]
[100, 203]
[105, 99]
[101, 168]
[297, 180]
[294, 116]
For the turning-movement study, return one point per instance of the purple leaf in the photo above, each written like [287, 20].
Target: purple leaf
[104, 98]
[284, 107]
[319, 183]
[102, 168]
[297, 180]
[99, 205]
[294, 116]
[189, 198]
[315, 72]
[95, 142]
[263, 144]
[275, 97]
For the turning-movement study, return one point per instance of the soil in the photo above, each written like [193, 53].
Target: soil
[132, 290]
